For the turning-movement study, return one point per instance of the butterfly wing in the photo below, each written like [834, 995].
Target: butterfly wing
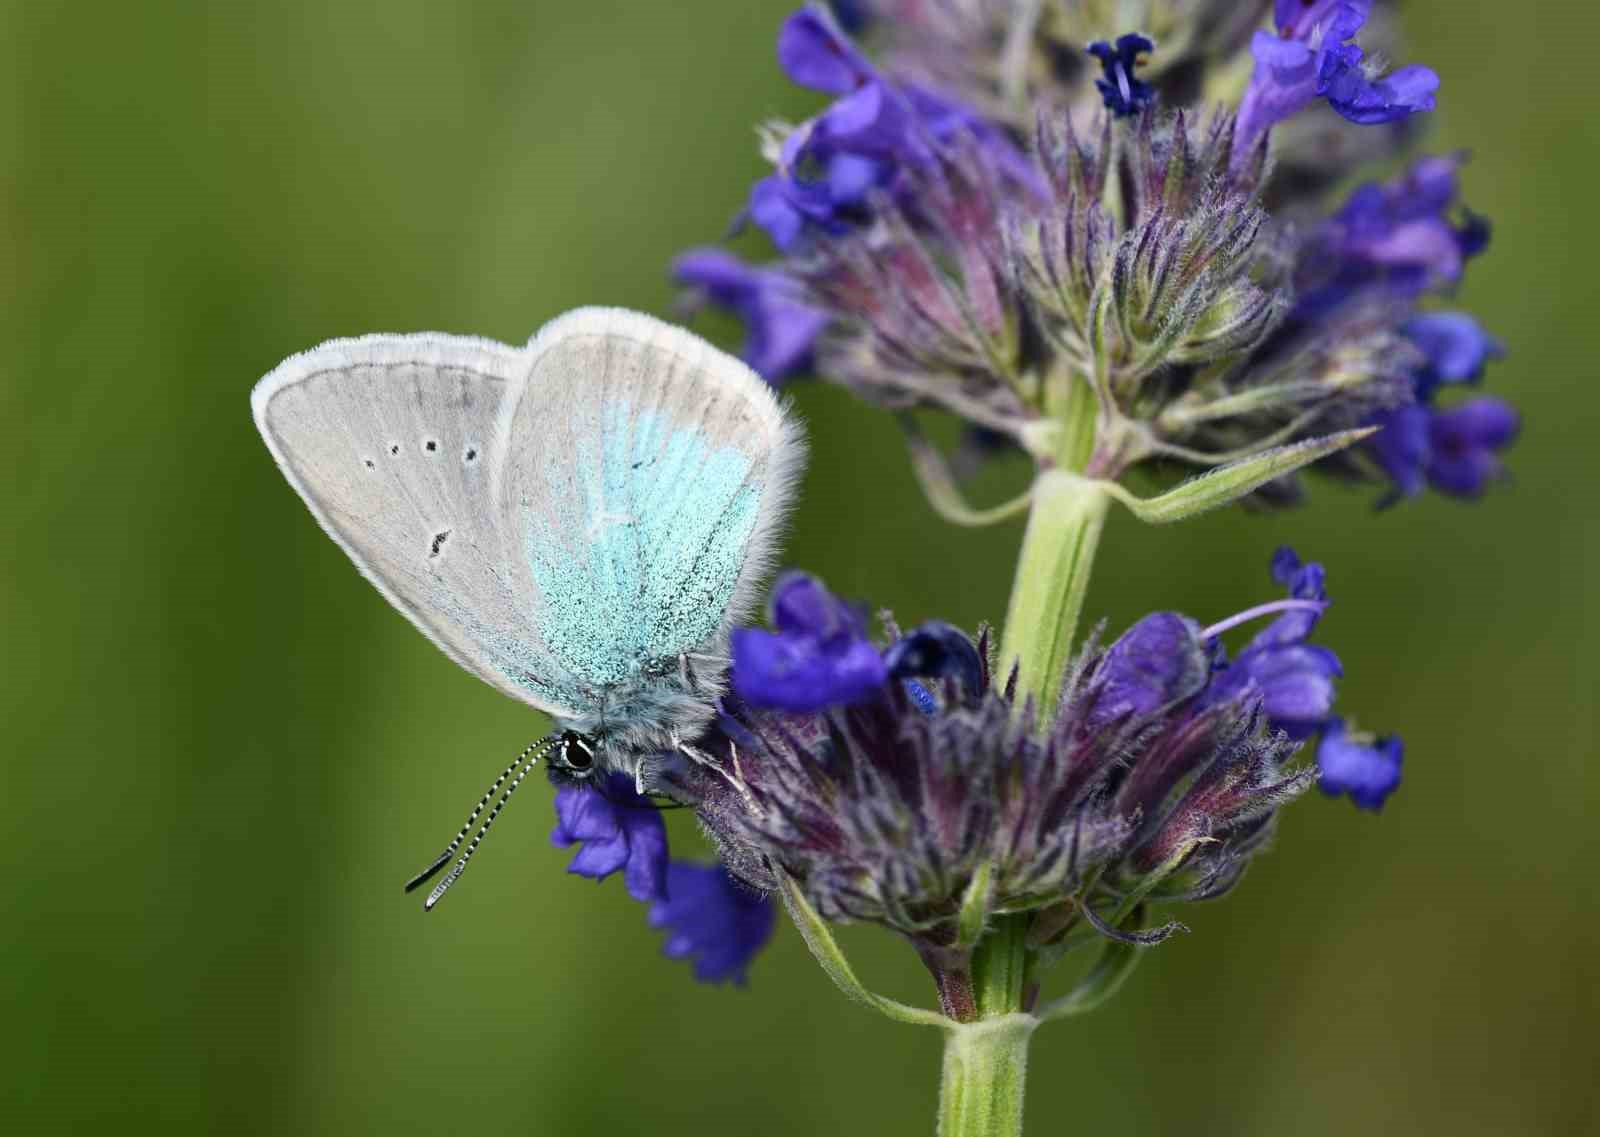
[649, 533]
[564, 520]
[395, 444]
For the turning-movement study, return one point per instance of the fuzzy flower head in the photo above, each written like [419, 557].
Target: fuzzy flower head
[935, 800]
[1005, 206]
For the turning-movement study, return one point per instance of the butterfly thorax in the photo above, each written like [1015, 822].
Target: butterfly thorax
[655, 713]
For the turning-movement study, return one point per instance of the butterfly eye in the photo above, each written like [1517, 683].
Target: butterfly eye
[576, 752]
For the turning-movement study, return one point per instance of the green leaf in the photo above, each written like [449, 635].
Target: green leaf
[814, 930]
[939, 484]
[1231, 482]
[975, 905]
[1103, 980]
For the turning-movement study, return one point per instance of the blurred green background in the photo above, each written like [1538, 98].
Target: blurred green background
[225, 753]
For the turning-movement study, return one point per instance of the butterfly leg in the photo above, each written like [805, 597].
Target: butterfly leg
[735, 779]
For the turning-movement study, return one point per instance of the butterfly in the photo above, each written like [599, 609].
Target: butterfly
[578, 522]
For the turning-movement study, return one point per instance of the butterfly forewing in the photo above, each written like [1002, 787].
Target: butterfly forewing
[395, 442]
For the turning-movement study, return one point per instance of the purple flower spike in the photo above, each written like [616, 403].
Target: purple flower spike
[617, 829]
[1313, 56]
[1456, 348]
[713, 920]
[819, 656]
[1123, 94]
[1367, 771]
[780, 328]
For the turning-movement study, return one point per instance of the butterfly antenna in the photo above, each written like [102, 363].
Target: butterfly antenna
[526, 761]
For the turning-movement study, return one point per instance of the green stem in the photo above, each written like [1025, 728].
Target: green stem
[1000, 968]
[1064, 522]
[985, 1068]
[986, 1059]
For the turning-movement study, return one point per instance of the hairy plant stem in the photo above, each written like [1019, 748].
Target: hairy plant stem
[985, 1065]
[1058, 548]
[986, 1059]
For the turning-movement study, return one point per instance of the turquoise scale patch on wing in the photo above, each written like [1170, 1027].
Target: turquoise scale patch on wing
[649, 551]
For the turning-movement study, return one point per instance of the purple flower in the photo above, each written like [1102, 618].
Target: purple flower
[712, 919]
[1456, 449]
[1395, 239]
[873, 136]
[779, 327]
[1455, 346]
[1464, 444]
[1367, 770]
[1294, 678]
[819, 656]
[1123, 94]
[618, 829]
[1313, 55]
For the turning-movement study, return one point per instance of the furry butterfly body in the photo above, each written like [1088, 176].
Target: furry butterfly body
[578, 522]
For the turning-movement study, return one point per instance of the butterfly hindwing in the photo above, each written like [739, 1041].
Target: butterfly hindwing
[649, 534]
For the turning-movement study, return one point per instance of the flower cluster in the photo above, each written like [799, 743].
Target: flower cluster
[1017, 202]
[912, 787]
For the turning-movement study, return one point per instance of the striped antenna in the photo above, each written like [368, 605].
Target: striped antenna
[526, 760]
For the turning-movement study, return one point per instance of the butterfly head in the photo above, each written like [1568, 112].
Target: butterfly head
[573, 758]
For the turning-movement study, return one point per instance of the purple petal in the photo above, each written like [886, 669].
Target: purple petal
[599, 859]
[802, 605]
[1368, 772]
[645, 876]
[1155, 663]
[1296, 685]
[1284, 82]
[802, 674]
[815, 53]
[771, 208]
[1304, 582]
[1401, 448]
[710, 917]
[780, 330]
[1464, 442]
[1456, 348]
[583, 815]
[618, 829]
[1298, 18]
